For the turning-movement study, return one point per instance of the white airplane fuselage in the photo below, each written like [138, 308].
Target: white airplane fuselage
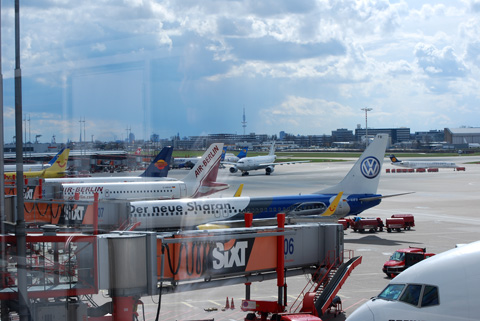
[414, 164]
[254, 163]
[125, 190]
[441, 288]
[184, 212]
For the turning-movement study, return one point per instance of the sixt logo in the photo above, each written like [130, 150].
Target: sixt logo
[75, 214]
[161, 164]
[370, 167]
[28, 193]
[226, 256]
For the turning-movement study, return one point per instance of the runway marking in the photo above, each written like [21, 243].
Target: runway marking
[355, 304]
[211, 301]
[188, 305]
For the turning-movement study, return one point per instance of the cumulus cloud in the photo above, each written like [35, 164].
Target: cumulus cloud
[439, 63]
[305, 112]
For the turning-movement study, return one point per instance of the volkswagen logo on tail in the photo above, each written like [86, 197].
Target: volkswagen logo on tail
[370, 167]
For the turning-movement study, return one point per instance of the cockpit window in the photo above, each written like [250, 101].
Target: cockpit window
[430, 296]
[391, 292]
[411, 294]
[397, 256]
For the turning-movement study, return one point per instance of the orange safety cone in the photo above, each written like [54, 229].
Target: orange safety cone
[227, 305]
[232, 306]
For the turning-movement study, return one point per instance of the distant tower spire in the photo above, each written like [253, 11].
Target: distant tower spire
[244, 122]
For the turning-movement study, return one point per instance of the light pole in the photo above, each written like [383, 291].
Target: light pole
[367, 109]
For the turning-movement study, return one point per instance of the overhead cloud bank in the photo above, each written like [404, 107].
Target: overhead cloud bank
[190, 67]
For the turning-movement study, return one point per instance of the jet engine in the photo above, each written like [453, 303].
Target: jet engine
[233, 170]
[269, 170]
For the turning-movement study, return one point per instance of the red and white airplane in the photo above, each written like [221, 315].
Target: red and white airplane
[200, 181]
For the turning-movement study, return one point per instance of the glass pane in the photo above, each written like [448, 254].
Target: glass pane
[430, 296]
[391, 292]
[411, 294]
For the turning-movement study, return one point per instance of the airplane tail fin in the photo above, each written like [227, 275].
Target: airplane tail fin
[364, 176]
[54, 159]
[243, 152]
[394, 159]
[224, 152]
[272, 149]
[201, 179]
[59, 167]
[333, 206]
[160, 165]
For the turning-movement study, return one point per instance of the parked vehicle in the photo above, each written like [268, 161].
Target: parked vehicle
[371, 224]
[346, 222]
[408, 218]
[403, 259]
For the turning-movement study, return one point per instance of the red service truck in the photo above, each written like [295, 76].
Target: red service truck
[371, 224]
[403, 259]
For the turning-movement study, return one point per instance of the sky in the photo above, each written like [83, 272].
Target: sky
[103, 69]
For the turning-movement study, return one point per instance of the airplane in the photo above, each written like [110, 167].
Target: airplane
[33, 167]
[415, 164]
[230, 158]
[258, 162]
[442, 287]
[57, 169]
[185, 162]
[157, 170]
[289, 219]
[188, 212]
[359, 189]
[200, 181]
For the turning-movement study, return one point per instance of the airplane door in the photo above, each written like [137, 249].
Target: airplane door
[183, 190]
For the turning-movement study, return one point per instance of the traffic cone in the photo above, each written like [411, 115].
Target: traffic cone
[232, 306]
[227, 305]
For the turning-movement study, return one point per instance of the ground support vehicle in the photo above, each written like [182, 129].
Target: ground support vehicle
[346, 222]
[403, 259]
[408, 218]
[397, 224]
[371, 224]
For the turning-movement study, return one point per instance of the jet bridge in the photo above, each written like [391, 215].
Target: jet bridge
[134, 264]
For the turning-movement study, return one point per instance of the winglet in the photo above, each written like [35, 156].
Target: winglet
[238, 193]
[333, 206]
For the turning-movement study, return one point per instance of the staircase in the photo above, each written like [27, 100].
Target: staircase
[320, 292]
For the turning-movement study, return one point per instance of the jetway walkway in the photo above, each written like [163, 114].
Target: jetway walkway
[132, 264]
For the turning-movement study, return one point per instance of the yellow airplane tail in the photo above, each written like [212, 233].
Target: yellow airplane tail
[333, 206]
[59, 167]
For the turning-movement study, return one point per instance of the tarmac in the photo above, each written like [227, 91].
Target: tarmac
[445, 205]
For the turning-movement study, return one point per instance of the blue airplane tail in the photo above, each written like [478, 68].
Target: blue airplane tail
[224, 151]
[160, 165]
[394, 159]
[243, 152]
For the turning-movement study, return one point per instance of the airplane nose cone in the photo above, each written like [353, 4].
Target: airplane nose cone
[363, 313]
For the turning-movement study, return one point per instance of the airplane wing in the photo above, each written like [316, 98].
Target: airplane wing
[283, 163]
[369, 199]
